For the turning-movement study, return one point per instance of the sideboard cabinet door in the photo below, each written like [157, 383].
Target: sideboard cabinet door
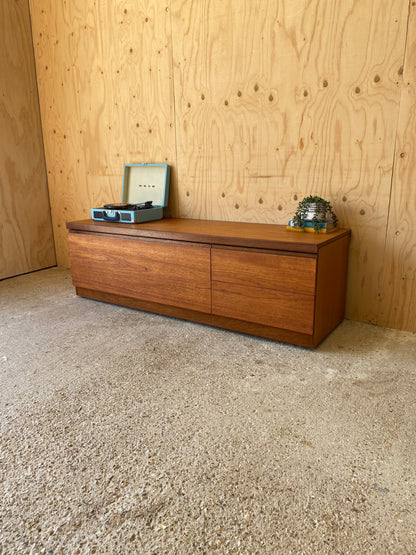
[170, 273]
[271, 289]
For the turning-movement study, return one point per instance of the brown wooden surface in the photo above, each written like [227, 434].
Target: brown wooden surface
[26, 240]
[268, 236]
[266, 288]
[269, 307]
[266, 271]
[331, 287]
[170, 274]
[269, 332]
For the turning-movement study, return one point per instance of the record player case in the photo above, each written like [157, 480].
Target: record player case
[252, 278]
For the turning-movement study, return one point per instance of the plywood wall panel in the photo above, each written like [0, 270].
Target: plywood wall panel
[105, 81]
[397, 294]
[277, 100]
[255, 104]
[26, 240]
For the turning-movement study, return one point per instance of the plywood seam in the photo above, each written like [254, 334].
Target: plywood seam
[41, 129]
[172, 66]
[38, 105]
[393, 165]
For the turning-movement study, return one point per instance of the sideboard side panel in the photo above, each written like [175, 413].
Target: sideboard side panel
[331, 287]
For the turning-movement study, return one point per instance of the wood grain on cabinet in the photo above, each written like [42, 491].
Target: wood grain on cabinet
[252, 278]
[274, 289]
[167, 273]
[280, 309]
[269, 270]
[236, 234]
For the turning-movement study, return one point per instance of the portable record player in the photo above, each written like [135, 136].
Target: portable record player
[145, 193]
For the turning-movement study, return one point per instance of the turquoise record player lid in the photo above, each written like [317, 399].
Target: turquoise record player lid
[146, 182]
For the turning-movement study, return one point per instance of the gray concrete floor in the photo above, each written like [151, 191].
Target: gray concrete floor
[128, 432]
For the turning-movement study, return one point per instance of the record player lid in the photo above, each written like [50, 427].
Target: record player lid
[146, 182]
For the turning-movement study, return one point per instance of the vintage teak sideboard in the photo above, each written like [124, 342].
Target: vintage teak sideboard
[258, 279]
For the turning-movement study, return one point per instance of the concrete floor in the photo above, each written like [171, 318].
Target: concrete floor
[127, 432]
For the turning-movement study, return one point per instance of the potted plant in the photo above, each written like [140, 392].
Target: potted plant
[316, 211]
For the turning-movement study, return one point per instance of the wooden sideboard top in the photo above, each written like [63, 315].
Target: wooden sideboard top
[236, 234]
